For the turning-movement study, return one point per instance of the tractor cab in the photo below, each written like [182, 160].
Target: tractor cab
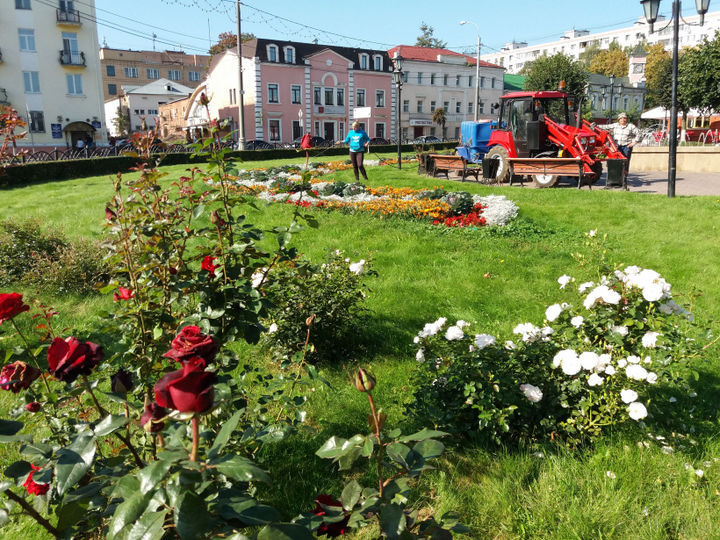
[521, 123]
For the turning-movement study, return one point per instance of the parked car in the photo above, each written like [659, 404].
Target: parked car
[257, 144]
[427, 139]
[379, 140]
[314, 141]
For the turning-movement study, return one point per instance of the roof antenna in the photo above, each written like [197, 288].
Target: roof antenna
[104, 43]
[154, 36]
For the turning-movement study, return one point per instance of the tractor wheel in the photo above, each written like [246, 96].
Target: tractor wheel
[545, 180]
[503, 173]
[597, 168]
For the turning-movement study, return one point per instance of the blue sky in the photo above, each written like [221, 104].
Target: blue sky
[191, 25]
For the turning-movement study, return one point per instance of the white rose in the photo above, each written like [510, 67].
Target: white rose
[358, 267]
[595, 380]
[553, 312]
[649, 340]
[637, 411]
[273, 328]
[622, 330]
[454, 333]
[484, 340]
[622, 363]
[628, 396]
[420, 355]
[510, 345]
[636, 372]
[609, 370]
[564, 280]
[632, 359]
[571, 363]
[532, 393]
[577, 321]
[585, 286]
[589, 360]
[652, 377]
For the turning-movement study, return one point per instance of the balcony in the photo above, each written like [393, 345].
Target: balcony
[67, 18]
[69, 58]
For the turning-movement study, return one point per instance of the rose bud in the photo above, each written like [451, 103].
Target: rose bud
[364, 380]
[172, 270]
[191, 342]
[69, 358]
[152, 418]
[33, 407]
[216, 220]
[110, 215]
[310, 320]
[187, 390]
[121, 382]
[18, 376]
[11, 304]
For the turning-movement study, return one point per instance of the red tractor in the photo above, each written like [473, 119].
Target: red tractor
[533, 136]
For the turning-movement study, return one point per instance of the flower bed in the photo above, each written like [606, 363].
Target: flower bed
[440, 207]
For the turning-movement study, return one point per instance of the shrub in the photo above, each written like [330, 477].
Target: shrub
[461, 202]
[333, 293]
[31, 256]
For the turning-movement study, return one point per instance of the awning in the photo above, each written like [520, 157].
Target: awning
[78, 126]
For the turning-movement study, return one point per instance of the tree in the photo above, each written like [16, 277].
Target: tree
[612, 61]
[589, 53]
[546, 72]
[122, 120]
[657, 67]
[427, 39]
[698, 76]
[439, 118]
[228, 40]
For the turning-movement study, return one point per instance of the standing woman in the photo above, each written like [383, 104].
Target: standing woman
[358, 141]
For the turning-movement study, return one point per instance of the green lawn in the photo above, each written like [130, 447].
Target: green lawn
[616, 489]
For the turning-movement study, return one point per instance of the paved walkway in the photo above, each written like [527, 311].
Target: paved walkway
[686, 183]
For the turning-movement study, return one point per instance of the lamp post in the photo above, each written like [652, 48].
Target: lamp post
[398, 80]
[651, 12]
[612, 86]
[477, 69]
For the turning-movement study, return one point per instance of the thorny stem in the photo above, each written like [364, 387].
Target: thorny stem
[376, 421]
[302, 364]
[195, 437]
[27, 346]
[29, 510]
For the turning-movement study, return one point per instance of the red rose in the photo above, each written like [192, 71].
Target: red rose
[330, 529]
[192, 342]
[124, 294]
[151, 419]
[11, 304]
[110, 215]
[187, 390]
[33, 407]
[18, 376]
[207, 264]
[121, 382]
[33, 488]
[69, 358]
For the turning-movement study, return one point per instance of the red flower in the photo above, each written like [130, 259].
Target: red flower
[69, 358]
[121, 382]
[207, 264]
[125, 294]
[187, 390]
[110, 215]
[33, 488]
[11, 304]
[192, 342]
[18, 376]
[151, 419]
[33, 407]
[330, 529]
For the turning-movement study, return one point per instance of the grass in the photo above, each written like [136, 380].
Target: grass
[426, 272]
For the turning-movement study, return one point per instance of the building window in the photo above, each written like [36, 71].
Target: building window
[317, 99]
[153, 73]
[379, 98]
[341, 131]
[70, 48]
[458, 106]
[419, 77]
[110, 71]
[457, 132]
[445, 80]
[360, 101]
[27, 39]
[317, 129]
[153, 112]
[290, 55]
[174, 74]
[273, 96]
[470, 81]
[296, 94]
[419, 105]
[481, 107]
[340, 97]
[482, 82]
[31, 79]
[406, 105]
[432, 106]
[233, 96]
[272, 52]
[457, 80]
[139, 111]
[380, 130]
[131, 72]
[432, 78]
[193, 76]
[470, 107]
[378, 62]
[364, 60]
[112, 89]
[22, 4]
[297, 129]
[446, 106]
[492, 82]
[626, 102]
[74, 84]
[405, 76]
[329, 96]
[274, 128]
[37, 122]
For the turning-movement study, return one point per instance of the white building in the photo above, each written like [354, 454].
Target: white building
[142, 104]
[50, 71]
[514, 55]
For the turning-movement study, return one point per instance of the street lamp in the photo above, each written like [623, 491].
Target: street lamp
[651, 8]
[477, 69]
[398, 80]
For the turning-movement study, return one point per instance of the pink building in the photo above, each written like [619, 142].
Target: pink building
[292, 87]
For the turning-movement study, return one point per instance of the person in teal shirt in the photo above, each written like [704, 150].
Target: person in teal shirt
[358, 141]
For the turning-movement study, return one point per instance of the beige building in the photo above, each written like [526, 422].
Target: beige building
[50, 71]
[138, 68]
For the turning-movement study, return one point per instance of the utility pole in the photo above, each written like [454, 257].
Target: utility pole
[241, 118]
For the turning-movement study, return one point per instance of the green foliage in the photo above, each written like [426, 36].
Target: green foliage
[427, 39]
[699, 81]
[331, 293]
[121, 122]
[657, 69]
[546, 72]
[228, 40]
[48, 261]
[461, 202]
[612, 61]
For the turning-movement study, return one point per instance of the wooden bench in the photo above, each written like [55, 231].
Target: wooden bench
[443, 163]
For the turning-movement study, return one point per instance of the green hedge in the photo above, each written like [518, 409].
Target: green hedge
[51, 171]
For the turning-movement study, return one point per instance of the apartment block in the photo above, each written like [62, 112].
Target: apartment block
[50, 71]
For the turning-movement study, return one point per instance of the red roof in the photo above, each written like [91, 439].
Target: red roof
[428, 54]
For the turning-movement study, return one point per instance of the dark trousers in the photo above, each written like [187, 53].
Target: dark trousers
[356, 158]
[627, 152]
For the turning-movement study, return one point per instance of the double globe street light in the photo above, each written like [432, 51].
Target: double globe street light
[397, 75]
[651, 8]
